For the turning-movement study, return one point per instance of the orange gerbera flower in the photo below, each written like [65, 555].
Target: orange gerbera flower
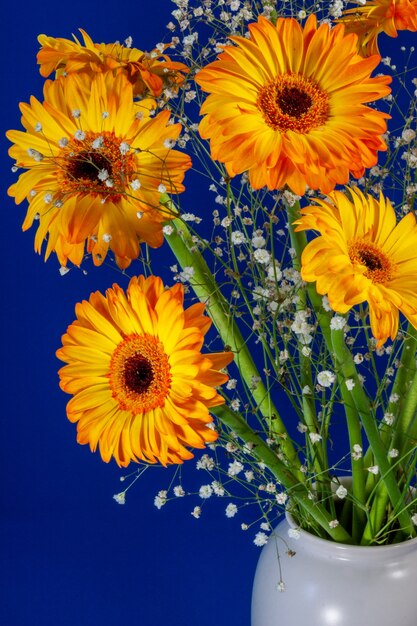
[288, 106]
[363, 255]
[149, 73]
[142, 389]
[379, 16]
[96, 170]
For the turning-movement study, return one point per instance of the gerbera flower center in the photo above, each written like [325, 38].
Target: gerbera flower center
[88, 165]
[293, 102]
[379, 268]
[100, 163]
[139, 375]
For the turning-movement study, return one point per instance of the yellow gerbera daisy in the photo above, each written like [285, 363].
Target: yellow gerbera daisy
[96, 170]
[148, 72]
[287, 105]
[142, 389]
[363, 255]
[379, 16]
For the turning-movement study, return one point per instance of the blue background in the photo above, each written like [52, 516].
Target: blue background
[69, 554]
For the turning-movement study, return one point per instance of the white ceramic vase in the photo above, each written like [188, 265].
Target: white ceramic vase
[332, 584]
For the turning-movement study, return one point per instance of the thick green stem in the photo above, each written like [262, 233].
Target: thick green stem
[320, 462]
[351, 414]
[207, 290]
[297, 491]
[348, 370]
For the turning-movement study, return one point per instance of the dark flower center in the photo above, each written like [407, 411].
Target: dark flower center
[293, 101]
[88, 165]
[138, 373]
[371, 260]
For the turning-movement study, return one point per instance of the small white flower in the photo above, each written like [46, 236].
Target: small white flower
[179, 491]
[341, 492]
[235, 468]
[120, 497]
[231, 383]
[135, 184]
[168, 229]
[226, 221]
[294, 533]
[162, 188]
[139, 214]
[169, 143]
[281, 498]
[79, 135]
[350, 383]
[389, 418]
[48, 197]
[337, 322]
[373, 469]
[358, 358]
[205, 463]
[35, 155]
[103, 174]
[231, 510]
[38, 127]
[63, 142]
[408, 135]
[187, 273]
[160, 499]
[393, 453]
[107, 238]
[260, 539]
[104, 115]
[281, 586]
[262, 256]
[98, 143]
[249, 475]
[326, 378]
[258, 241]
[218, 488]
[326, 304]
[394, 397]
[196, 512]
[238, 238]
[205, 491]
[124, 147]
[314, 437]
[76, 114]
[357, 452]
[333, 523]
[63, 270]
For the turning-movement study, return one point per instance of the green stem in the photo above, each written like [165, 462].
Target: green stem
[347, 368]
[320, 462]
[207, 290]
[297, 491]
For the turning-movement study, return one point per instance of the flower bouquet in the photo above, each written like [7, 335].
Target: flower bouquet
[284, 346]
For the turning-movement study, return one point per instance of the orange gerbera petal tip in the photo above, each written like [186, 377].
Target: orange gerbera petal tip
[288, 105]
[379, 16]
[97, 169]
[141, 387]
[363, 255]
[149, 72]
